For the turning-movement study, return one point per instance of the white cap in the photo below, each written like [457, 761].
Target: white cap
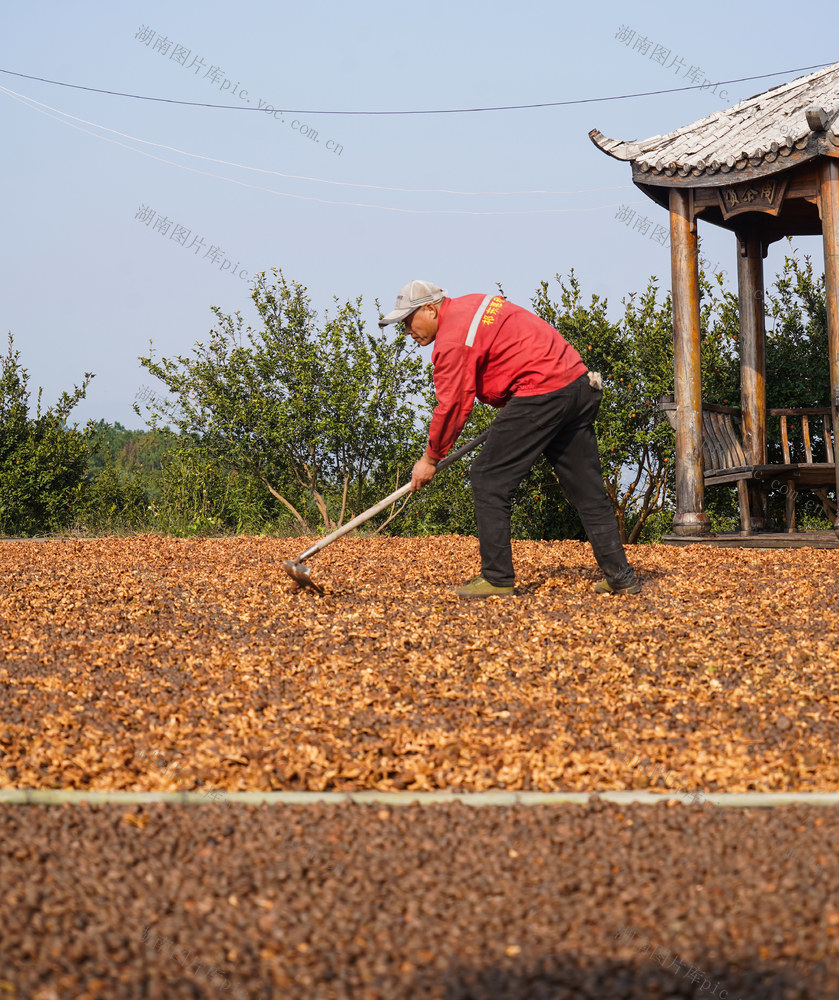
[411, 296]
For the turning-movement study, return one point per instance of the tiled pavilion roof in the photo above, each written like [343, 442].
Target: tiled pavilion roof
[761, 135]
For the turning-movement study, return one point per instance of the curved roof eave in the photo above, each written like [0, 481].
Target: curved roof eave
[764, 134]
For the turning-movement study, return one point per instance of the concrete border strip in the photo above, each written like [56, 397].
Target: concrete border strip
[58, 796]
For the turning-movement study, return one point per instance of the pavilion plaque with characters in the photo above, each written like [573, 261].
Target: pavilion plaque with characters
[764, 195]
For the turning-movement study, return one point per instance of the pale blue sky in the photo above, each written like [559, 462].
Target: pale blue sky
[85, 284]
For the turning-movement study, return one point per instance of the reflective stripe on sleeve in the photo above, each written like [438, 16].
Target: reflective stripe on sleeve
[476, 319]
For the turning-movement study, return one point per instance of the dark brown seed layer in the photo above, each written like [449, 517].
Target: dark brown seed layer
[369, 902]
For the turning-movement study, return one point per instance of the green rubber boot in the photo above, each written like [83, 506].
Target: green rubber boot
[479, 587]
[604, 587]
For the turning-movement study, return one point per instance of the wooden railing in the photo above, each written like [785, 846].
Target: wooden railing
[804, 416]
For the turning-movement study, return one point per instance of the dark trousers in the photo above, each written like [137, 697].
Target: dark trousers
[560, 425]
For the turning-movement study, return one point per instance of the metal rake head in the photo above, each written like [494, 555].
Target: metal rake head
[301, 574]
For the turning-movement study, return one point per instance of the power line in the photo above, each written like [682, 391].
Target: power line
[296, 177]
[436, 111]
[284, 194]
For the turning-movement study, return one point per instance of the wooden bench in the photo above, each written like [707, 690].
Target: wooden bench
[725, 461]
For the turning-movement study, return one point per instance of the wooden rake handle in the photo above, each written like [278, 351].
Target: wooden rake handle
[360, 519]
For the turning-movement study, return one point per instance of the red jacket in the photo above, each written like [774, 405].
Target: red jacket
[514, 353]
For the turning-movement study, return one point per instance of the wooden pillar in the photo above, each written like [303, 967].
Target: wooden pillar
[829, 204]
[690, 517]
[752, 357]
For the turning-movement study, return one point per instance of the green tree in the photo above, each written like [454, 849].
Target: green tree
[130, 451]
[635, 358]
[445, 505]
[43, 462]
[117, 501]
[798, 374]
[201, 494]
[316, 412]
[124, 470]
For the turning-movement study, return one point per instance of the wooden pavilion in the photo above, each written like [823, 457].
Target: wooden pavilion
[765, 169]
